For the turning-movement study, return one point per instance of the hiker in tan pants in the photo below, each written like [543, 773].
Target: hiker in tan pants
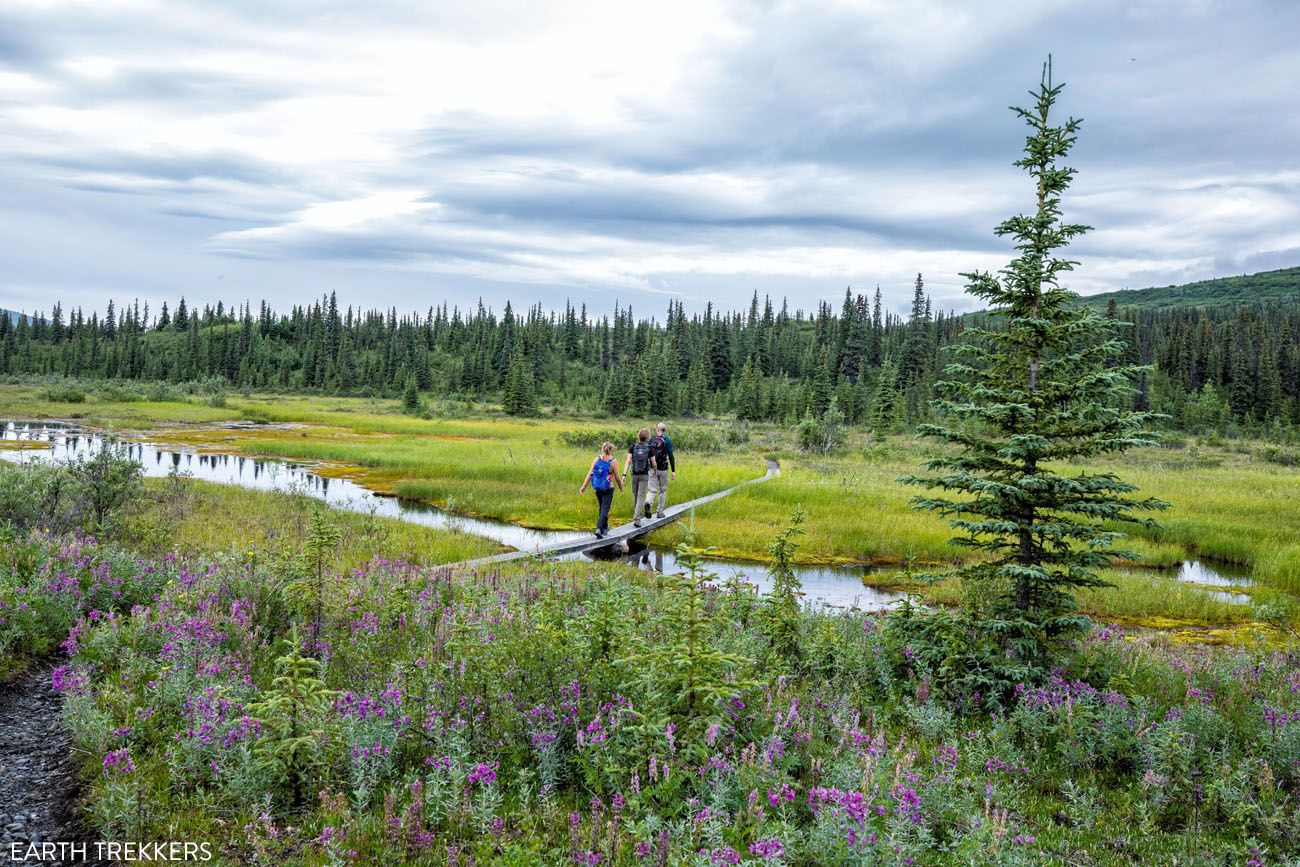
[640, 464]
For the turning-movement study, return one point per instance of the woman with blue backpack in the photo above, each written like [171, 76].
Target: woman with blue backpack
[602, 477]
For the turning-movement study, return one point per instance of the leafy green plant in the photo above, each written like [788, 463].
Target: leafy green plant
[105, 481]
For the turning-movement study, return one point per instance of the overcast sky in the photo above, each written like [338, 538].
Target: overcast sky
[408, 152]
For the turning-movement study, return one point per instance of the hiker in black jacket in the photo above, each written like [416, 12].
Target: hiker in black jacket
[640, 464]
[665, 468]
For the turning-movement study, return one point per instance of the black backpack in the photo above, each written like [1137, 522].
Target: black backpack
[659, 448]
[640, 458]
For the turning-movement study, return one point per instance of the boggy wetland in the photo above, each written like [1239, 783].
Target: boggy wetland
[1230, 544]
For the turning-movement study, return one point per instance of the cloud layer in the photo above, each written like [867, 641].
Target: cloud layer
[408, 153]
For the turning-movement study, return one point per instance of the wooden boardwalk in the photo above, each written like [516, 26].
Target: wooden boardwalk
[622, 535]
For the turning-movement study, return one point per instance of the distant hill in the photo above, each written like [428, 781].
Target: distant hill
[1283, 285]
[13, 317]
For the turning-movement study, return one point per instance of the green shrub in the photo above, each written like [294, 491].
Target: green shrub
[209, 386]
[65, 393]
[35, 496]
[821, 436]
[735, 432]
[165, 392]
[1279, 455]
[104, 481]
[110, 393]
[89, 491]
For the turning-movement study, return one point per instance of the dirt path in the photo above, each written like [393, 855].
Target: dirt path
[38, 781]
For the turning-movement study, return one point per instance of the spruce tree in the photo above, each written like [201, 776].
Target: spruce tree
[782, 605]
[749, 393]
[1024, 402]
[884, 404]
[520, 397]
[919, 348]
[411, 396]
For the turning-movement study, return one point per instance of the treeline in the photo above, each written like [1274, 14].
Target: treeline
[763, 363]
[1213, 367]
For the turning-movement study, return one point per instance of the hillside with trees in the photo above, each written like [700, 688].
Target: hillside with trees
[1282, 286]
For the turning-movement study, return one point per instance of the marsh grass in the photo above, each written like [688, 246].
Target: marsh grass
[1136, 595]
[207, 518]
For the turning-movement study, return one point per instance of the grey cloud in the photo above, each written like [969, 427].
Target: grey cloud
[1268, 260]
[176, 167]
[17, 49]
[206, 90]
[1170, 95]
[666, 216]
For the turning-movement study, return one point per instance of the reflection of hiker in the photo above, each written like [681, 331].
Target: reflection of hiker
[602, 476]
[665, 467]
[640, 464]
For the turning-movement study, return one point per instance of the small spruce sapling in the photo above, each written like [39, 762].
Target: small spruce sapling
[781, 608]
[305, 572]
[292, 714]
[411, 396]
[689, 676]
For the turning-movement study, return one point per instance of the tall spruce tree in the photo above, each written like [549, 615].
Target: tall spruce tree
[1023, 402]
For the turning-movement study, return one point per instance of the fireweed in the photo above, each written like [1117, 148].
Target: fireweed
[492, 717]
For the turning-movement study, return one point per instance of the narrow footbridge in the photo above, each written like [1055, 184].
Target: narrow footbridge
[622, 535]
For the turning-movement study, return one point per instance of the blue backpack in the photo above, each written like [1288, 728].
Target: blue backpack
[600, 475]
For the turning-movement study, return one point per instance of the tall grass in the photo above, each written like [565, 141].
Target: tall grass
[208, 518]
[1137, 596]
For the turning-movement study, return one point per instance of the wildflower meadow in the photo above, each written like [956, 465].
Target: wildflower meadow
[417, 715]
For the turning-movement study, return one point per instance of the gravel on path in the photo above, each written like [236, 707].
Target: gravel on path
[38, 779]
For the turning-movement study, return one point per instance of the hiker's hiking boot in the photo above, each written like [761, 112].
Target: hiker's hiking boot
[659, 514]
[647, 510]
[636, 523]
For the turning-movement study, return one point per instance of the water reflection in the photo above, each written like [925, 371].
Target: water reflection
[833, 586]
[1219, 575]
[825, 585]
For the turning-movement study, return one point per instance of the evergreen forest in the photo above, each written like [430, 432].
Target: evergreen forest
[1215, 362]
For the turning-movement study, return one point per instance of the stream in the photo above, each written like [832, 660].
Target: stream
[833, 586]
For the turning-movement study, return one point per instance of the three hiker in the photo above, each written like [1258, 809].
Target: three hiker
[602, 477]
[651, 464]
